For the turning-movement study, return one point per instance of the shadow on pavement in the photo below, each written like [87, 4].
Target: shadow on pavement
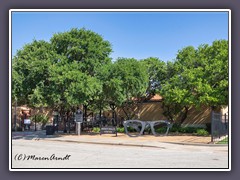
[31, 135]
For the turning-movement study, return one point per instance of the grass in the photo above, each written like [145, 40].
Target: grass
[224, 141]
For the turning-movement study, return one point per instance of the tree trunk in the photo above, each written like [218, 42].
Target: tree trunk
[184, 116]
[167, 112]
[84, 113]
[113, 107]
[125, 113]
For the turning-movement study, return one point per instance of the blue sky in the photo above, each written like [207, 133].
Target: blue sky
[132, 34]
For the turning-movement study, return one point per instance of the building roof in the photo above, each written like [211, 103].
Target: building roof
[156, 97]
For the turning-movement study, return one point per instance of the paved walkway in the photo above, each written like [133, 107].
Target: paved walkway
[121, 139]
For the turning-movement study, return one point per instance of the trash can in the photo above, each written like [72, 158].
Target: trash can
[49, 130]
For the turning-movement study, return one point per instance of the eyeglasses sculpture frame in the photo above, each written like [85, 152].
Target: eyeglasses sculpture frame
[145, 125]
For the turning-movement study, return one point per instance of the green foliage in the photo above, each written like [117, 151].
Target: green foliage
[40, 118]
[157, 71]
[224, 141]
[202, 132]
[198, 77]
[71, 85]
[17, 81]
[161, 130]
[175, 127]
[30, 73]
[96, 129]
[133, 77]
[129, 81]
[75, 68]
[189, 130]
[83, 46]
[63, 73]
[120, 130]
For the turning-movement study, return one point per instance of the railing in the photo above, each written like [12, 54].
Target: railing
[219, 127]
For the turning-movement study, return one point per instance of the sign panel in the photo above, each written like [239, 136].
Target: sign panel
[108, 130]
[27, 121]
[79, 116]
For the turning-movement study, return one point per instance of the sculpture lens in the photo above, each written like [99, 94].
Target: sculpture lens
[160, 128]
[133, 128]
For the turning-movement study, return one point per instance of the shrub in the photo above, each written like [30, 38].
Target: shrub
[96, 129]
[161, 130]
[121, 130]
[192, 130]
[202, 132]
[188, 129]
[175, 128]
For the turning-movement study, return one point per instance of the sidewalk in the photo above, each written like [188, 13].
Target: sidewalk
[111, 139]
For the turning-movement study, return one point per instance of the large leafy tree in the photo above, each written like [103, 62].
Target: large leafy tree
[198, 77]
[128, 83]
[83, 46]
[214, 62]
[156, 70]
[176, 92]
[30, 73]
[88, 50]
[62, 73]
[70, 86]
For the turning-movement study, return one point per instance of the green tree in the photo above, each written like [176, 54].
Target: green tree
[128, 83]
[157, 70]
[30, 73]
[89, 51]
[214, 61]
[83, 46]
[63, 73]
[198, 77]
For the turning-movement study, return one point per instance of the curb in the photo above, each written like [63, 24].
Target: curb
[136, 145]
[196, 144]
[104, 143]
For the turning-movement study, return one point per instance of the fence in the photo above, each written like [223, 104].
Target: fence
[219, 127]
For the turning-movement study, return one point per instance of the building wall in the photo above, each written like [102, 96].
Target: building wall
[224, 110]
[45, 111]
[152, 111]
[198, 117]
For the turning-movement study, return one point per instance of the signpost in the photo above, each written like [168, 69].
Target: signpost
[78, 128]
[79, 120]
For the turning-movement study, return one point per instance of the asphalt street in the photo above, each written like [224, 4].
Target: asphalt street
[52, 154]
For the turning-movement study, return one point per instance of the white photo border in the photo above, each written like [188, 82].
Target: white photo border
[116, 10]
